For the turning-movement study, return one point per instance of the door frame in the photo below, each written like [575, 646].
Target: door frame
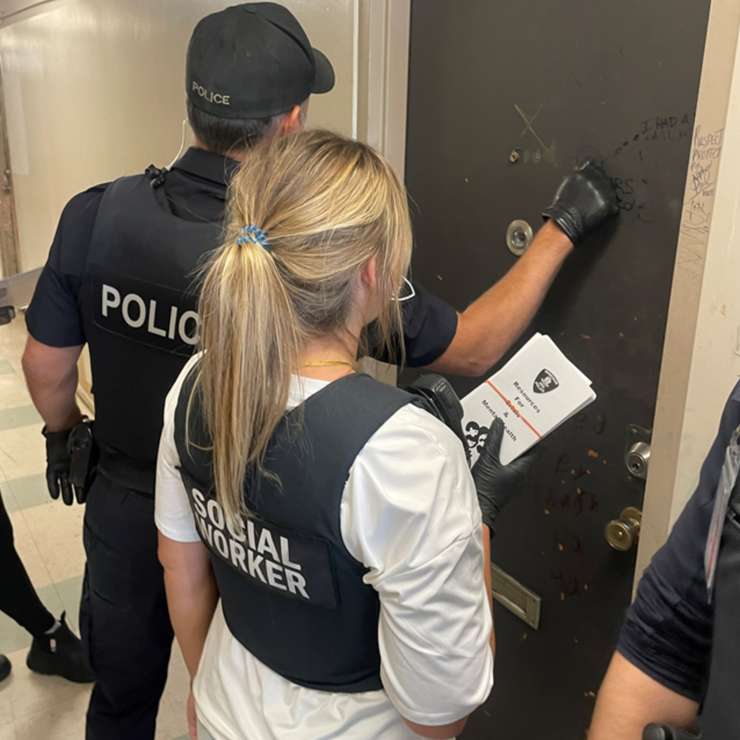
[689, 398]
[381, 74]
[383, 52]
[701, 352]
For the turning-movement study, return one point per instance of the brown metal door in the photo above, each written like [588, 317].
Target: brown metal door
[504, 98]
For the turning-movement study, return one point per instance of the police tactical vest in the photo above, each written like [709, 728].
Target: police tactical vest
[291, 593]
[720, 717]
[140, 319]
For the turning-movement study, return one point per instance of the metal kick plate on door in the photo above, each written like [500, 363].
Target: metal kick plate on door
[517, 598]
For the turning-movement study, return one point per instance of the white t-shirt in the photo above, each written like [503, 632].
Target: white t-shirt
[410, 514]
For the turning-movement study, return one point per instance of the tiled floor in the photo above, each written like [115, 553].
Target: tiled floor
[48, 537]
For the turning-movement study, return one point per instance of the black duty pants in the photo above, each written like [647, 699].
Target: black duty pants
[18, 598]
[123, 614]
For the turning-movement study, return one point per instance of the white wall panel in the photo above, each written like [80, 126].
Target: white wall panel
[94, 89]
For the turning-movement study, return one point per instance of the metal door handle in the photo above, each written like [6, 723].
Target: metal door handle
[623, 533]
[7, 182]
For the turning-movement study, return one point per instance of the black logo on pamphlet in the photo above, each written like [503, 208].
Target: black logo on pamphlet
[475, 436]
[545, 382]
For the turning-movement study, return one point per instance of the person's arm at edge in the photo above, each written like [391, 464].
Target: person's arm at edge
[630, 699]
[678, 630]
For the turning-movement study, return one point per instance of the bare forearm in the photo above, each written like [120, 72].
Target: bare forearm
[56, 404]
[506, 309]
[191, 603]
[191, 595]
[493, 322]
[51, 377]
[629, 699]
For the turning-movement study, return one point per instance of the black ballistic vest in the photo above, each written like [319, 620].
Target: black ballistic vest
[291, 592]
[140, 319]
[720, 717]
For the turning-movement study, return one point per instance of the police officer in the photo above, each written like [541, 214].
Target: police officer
[678, 656]
[120, 278]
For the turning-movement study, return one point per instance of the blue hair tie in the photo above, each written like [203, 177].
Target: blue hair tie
[253, 235]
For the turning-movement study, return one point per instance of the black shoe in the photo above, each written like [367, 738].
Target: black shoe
[5, 667]
[60, 654]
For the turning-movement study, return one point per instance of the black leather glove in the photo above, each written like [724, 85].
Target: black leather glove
[495, 483]
[584, 200]
[69, 462]
[57, 465]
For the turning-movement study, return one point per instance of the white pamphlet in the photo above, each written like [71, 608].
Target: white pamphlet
[534, 393]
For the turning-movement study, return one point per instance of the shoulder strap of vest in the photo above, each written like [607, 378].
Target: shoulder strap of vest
[357, 397]
[113, 191]
[357, 389]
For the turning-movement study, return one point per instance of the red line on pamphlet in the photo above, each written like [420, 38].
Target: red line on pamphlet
[516, 411]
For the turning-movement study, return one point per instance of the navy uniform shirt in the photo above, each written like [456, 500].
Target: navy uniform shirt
[668, 631]
[196, 189]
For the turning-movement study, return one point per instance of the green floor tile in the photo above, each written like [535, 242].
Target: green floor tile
[23, 493]
[20, 416]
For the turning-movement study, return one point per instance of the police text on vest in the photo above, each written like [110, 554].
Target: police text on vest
[138, 313]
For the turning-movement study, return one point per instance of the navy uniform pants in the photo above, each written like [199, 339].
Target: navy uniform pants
[123, 615]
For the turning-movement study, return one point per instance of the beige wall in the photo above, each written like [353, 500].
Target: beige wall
[94, 89]
[701, 360]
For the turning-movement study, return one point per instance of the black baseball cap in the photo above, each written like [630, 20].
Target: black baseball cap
[252, 61]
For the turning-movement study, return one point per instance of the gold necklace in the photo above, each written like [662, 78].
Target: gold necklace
[329, 363]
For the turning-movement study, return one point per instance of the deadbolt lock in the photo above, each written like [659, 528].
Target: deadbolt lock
[637, 451]
[638, 459]
[623, 533]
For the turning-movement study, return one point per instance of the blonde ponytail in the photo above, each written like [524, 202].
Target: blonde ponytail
[323, 206]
